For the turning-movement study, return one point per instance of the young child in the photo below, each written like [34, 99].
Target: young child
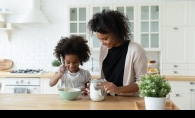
[75, 52]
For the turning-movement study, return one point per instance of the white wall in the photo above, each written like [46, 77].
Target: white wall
[31, 46]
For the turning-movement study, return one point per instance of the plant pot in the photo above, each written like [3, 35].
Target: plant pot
[154, 103]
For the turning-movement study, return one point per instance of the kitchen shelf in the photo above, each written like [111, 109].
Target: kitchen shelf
[2, 20]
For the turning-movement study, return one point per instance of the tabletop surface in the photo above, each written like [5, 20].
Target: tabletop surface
[9, 101]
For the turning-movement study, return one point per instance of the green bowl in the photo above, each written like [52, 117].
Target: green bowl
[71, 94]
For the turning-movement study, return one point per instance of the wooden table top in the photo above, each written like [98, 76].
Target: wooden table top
[10, 101]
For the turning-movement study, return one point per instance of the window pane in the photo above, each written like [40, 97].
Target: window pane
[96, 42]
[120, 9]
[82, 27]
[154, 26]
[130, 13]
[73, 14]
[73, 28]
[145, 40]
[154, 12]
[154, 41]
[82, 12]
[96, 10]
[144, 13]
[145, 27]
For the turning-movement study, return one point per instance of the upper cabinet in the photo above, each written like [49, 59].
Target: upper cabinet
[149, 26]
[144, 23]
[175, 14]
[192, 13]
[130, 11]
[78, 17]
[94, 41]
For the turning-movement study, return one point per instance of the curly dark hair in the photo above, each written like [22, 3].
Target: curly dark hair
[73, 45]
[110, 21]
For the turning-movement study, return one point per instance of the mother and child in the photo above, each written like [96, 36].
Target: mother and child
[121, 61]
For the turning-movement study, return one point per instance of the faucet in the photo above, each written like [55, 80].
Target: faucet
[92, 64]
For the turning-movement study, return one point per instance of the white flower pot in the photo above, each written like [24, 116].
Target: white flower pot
[153, 103]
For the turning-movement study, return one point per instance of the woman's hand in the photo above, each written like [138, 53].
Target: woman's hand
[110, 87]
[87, 89]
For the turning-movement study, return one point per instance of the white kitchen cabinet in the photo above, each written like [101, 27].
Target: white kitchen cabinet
[175, 13]
[175, 52]
[175, 45]
[182, 94]
[150, 39]
[46, 89]
[181, 100]
[193, 101]
[178, 38]
[191, 13]
[3, 26]
[149, 26]
[192, 50]
[130, 11]
[2, 81]
[94, 41]
[78, 17]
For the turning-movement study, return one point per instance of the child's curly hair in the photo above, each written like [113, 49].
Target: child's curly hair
[110, 21]
[76, 45]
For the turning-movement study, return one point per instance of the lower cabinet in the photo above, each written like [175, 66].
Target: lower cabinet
[2, 84]
[181, 100]
[46, 89]
[193, 101]
[183, 94]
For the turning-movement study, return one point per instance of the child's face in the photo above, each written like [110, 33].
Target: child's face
[72, 62]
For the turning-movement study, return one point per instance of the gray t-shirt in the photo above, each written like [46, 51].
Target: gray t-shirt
[78, 79]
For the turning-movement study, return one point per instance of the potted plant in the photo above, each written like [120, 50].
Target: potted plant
[155, 89]
[56, 63]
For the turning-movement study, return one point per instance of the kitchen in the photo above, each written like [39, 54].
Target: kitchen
[31, 45]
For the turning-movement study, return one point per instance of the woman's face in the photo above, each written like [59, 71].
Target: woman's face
[108, 40]
[72, 62]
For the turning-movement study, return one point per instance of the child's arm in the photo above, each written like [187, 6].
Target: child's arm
[54, 79]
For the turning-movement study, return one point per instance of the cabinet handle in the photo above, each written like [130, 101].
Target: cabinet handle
[191, 90]
[174, 66]
[177, 95]
[192, 83]
[175, 28]
[174, 72]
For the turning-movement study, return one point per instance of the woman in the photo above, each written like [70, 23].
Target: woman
[122, 62]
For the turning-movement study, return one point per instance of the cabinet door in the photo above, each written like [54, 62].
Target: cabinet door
[181, 100]
[192, 45]
[2, 82]
[78, 17]
[149, 32]
[94, 41]
[175, 45]
[175, 14]
[192, 13]
[46, 89]
[193, 101]
[130, 11]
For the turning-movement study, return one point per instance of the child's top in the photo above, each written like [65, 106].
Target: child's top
[78, 79]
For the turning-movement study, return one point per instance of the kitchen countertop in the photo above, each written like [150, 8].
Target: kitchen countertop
[44, 75]
[50, 74]
[9, 101]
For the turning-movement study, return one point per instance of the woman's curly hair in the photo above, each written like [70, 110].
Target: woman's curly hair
[76, 45]
[110, 21]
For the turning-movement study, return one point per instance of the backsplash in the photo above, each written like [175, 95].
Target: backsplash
[32, 45]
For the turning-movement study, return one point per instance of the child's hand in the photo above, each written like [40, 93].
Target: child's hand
[62, 69]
